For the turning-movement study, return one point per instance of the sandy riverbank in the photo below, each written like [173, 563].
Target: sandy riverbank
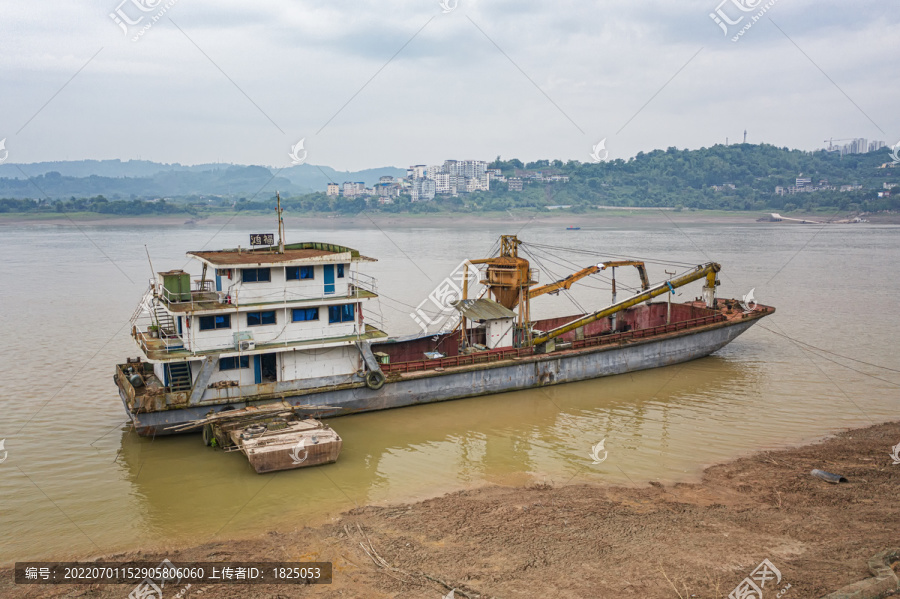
[687, 540]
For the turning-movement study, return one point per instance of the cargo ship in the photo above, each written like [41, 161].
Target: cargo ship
[286, 323]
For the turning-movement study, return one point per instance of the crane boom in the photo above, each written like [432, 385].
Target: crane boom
[642, 271]
[707, 270]
[585, 272]
[564, 283]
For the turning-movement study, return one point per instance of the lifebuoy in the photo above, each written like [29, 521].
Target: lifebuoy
[375, 380]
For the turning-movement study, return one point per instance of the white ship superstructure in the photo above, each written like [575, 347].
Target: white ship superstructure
[254, 320]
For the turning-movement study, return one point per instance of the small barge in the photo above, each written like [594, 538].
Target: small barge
[284, 323]
[272, 436]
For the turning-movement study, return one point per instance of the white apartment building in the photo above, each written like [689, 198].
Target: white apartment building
[417, 171]
[352, 189]
[422, 190]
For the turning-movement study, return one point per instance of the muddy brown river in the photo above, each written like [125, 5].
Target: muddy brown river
[75, 480]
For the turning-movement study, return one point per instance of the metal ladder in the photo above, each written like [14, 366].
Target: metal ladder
[165, 321]
[179, 375]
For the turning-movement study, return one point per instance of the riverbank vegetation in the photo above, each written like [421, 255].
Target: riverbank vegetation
[740, 177]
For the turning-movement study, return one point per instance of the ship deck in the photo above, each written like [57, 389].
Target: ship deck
[208, 301]
[172, 348]
[726, 312]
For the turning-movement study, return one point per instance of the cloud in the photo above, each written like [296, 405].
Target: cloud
[400, 82]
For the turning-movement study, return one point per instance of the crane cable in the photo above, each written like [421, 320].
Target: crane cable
[605, 278]
[809, 345]
[568, 294]
[618, 256]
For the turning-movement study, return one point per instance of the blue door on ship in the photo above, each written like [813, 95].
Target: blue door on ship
[265, 368]
[329, 278]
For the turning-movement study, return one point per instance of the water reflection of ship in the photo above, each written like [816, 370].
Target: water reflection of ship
[487, 439]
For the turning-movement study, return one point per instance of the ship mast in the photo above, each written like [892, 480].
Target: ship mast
[279, 211]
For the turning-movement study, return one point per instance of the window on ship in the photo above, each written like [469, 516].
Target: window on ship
[234, 363]
[208, 323]
[294, 273]
[345, 313]
[256, 275]
[260, 318]
[303, 314]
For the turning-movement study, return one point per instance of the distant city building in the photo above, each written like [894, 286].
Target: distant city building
[804, 185]
[422, 190]
[442, 183]
[417, 171]
[333, 189]
[514, 183]
[858, 146]
[352, 189]
[387, 189]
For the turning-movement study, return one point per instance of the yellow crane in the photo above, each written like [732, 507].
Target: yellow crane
[566, 283]
[556, 287]
[707, 271]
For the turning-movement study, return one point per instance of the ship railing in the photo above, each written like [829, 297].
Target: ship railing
[648, 332]
[364, 281]
[145, 305]
[496, 355]
[160, 342]
[201, 291]
[153, 328]
[373, 318]
[482, 357]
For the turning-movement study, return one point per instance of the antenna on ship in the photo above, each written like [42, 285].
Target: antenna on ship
[152, 272]
[280, 225]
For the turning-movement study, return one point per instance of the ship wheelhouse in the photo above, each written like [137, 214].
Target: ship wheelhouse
[252, 322]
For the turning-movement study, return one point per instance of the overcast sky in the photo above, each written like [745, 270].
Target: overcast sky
[401, 82]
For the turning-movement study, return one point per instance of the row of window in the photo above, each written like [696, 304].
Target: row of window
[343, 313]
[291, 273]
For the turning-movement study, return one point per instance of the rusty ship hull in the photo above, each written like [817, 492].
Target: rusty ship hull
[580, 356]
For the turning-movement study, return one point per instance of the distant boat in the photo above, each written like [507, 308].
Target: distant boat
[573, 228]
